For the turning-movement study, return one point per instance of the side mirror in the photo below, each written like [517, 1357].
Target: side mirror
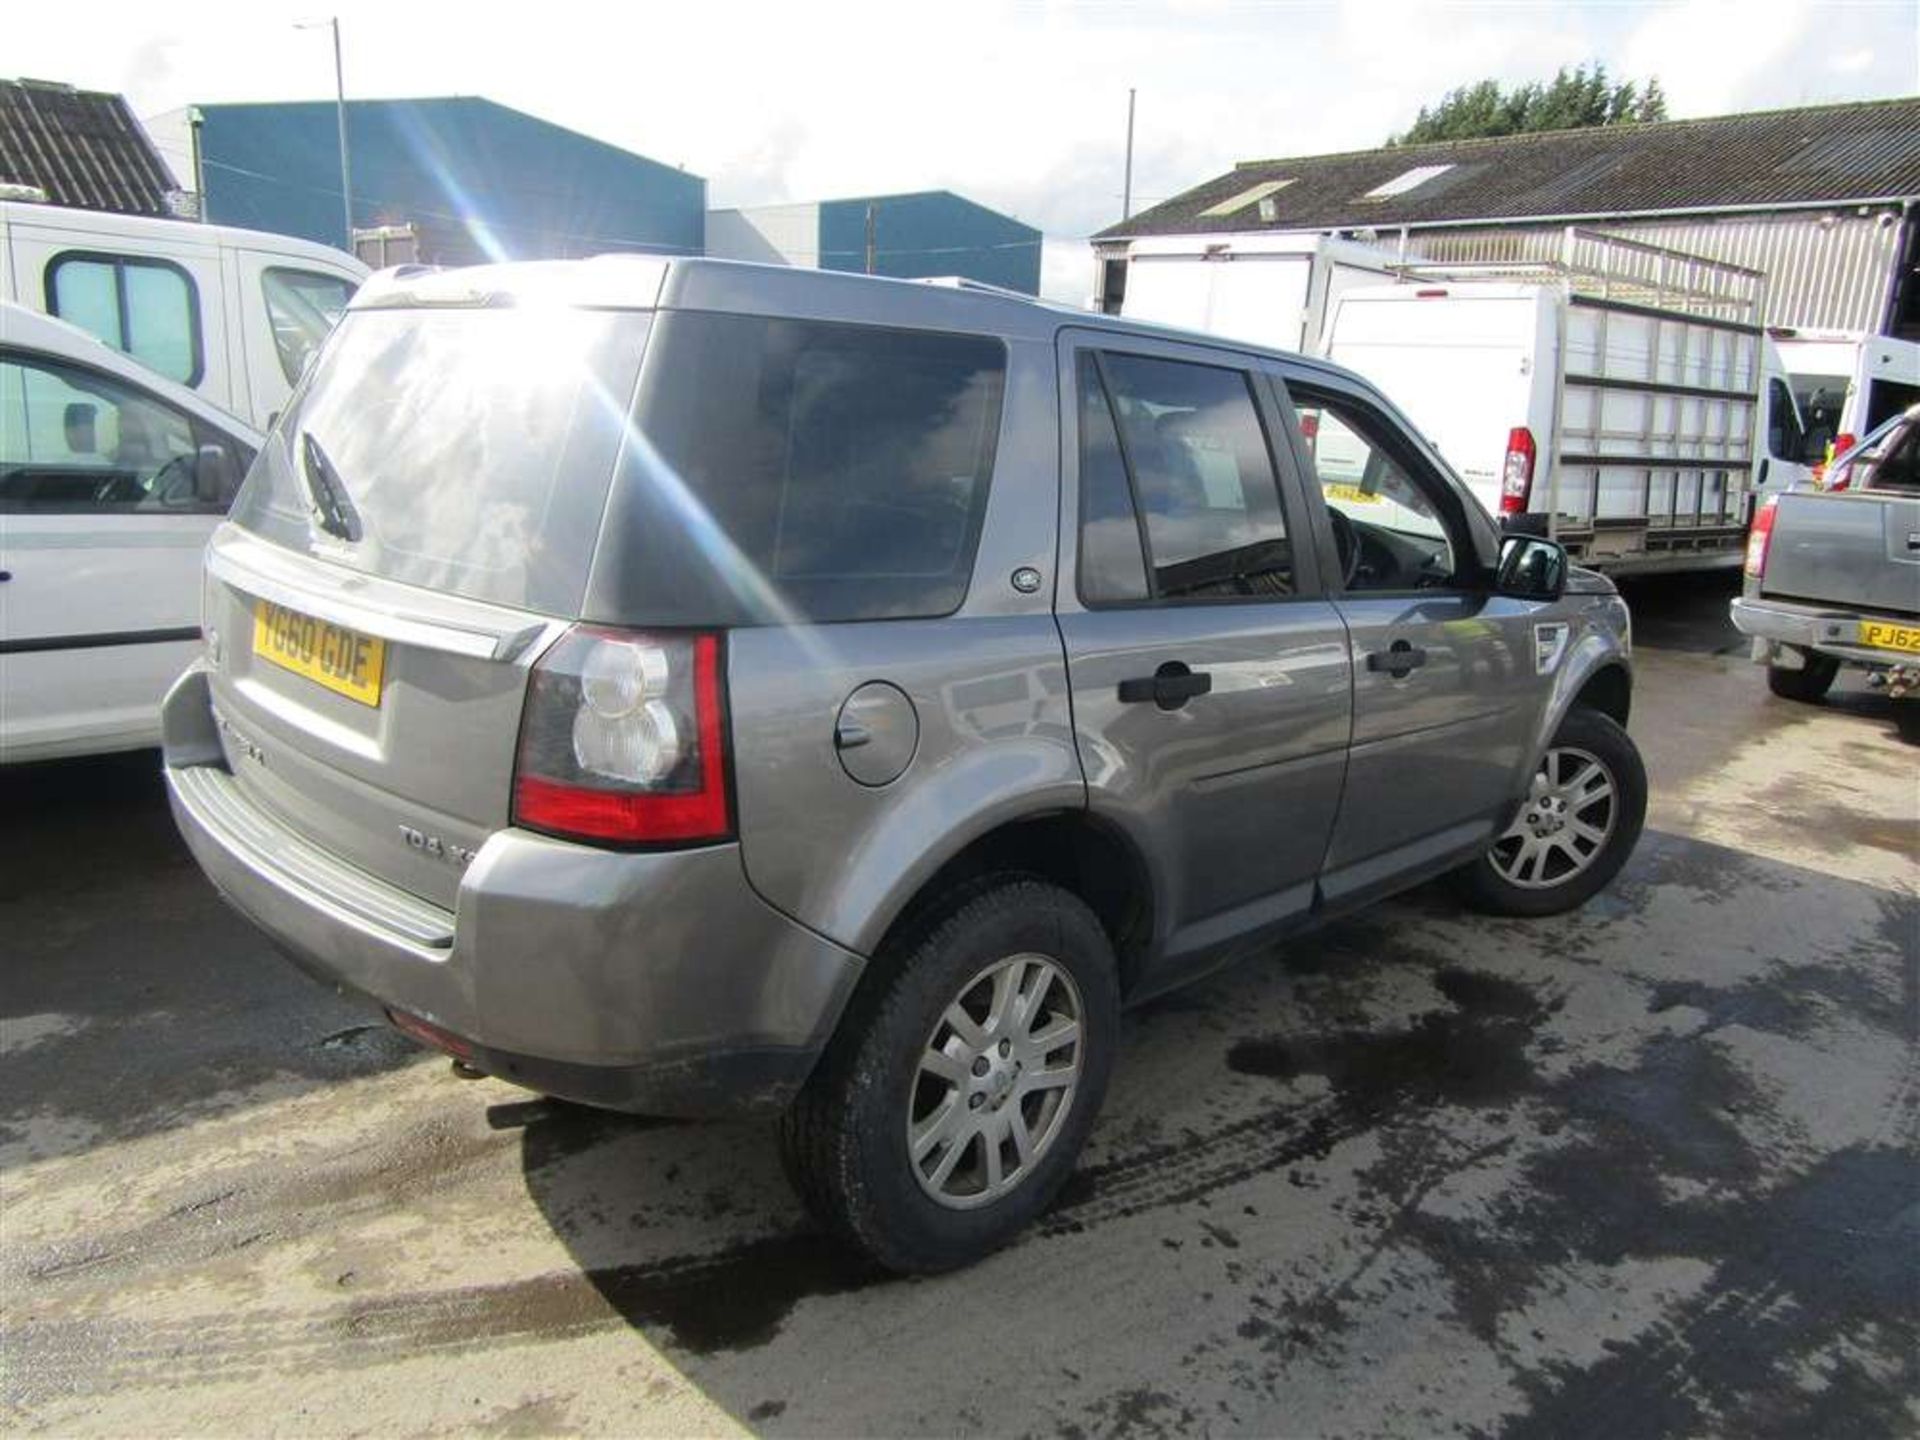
[1531, 568]
[215, 477]
[81, 421]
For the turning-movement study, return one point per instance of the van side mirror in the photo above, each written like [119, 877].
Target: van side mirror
[215, 477]
[1532, 567]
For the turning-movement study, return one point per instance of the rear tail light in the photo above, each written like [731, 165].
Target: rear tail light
[624, 740]
[1516, 477]
[1761, 536]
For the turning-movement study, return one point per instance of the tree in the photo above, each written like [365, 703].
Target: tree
[1576, 99]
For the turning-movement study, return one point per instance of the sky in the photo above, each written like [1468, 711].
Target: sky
[1021, 106]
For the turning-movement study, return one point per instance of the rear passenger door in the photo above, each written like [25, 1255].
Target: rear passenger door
[1209, 672]
[1449, 678]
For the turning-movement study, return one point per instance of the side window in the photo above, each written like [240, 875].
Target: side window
[1112, 564]
[1784, 440]
[73, 441]
[1194, 453]
[1389, 532]
[844, 468]
[302, 307]
[148, 309]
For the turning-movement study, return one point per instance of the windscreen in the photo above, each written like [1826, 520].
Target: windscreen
[465, 450]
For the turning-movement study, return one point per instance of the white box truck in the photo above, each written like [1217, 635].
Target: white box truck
[1622, 398]
[233, 314]
[1273, 290]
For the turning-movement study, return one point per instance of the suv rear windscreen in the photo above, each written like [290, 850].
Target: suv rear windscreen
[794, 470]
[465, 450]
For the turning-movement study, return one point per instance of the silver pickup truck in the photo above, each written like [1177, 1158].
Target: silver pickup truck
[1833, 575]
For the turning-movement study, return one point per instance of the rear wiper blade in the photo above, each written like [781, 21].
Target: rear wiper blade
[332, 506]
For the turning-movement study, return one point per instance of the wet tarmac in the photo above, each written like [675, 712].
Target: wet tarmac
[1648, 1169]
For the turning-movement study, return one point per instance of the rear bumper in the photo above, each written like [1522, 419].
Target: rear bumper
[1784, 625]
[658, 983]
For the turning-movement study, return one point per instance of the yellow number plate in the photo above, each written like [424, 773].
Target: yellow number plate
[1889, 636]
[343, 660]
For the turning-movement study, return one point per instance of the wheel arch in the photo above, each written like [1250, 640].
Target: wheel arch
[1074, 849]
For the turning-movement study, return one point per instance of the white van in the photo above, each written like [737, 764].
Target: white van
[111, 480]
[1847, 384]
[1631, 421]
[233, 314]
[1273, 290]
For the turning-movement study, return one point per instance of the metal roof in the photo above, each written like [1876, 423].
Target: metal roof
[82, 147]
[1822, 154]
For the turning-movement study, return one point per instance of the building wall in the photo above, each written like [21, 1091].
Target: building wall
[484, 181]
[1825, 271]
[935, 233]
[768, 234]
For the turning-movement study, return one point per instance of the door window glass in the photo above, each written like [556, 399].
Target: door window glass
[75, 441]
[1784, 440]
[1112, 567]
[1201, 476]
[144, 308]
[302, 307]
[1386, 527]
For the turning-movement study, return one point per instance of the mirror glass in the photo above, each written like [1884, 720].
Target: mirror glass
[1532, 567]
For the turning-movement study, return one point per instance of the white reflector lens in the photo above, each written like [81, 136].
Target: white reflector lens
[641, 747]
[618, 677]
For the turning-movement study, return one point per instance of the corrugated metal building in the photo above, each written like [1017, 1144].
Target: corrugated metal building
[930, 232]
[1821, 199]
[81, 148]
[473, 180]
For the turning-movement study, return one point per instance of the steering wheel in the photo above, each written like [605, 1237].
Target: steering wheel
[1346, 540]
[174, 483]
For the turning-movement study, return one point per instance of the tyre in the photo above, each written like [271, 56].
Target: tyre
[1579, 822]
[1807, 684]
[959, 1089]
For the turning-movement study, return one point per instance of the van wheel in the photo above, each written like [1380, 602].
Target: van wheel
[1579, 822]
[1809, 683]
[953, 1101]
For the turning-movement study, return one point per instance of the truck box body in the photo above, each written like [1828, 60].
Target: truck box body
[1273, 290]
[1625, 414]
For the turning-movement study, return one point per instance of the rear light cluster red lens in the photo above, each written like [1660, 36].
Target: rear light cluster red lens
[624, 740]
[1516, 478]
[1760, 536]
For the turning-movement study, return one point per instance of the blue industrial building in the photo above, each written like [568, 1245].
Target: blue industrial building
[468, 180]
[929, 232]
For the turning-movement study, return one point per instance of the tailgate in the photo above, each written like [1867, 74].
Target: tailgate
[376, 719]
[1852, 548]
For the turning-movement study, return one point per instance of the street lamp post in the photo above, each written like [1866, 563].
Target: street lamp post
[340, 113]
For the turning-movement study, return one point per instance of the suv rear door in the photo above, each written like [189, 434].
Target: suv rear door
[1449, 678]
[1208, 672]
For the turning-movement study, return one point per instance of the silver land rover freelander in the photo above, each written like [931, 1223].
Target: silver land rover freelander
[696, 688]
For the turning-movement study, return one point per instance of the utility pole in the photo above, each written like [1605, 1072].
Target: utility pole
[1126, 192]
[870, 209]
[340, 116]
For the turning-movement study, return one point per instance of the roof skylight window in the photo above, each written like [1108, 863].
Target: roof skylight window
[1409, 180]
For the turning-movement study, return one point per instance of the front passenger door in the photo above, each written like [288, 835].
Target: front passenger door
[1446, 684]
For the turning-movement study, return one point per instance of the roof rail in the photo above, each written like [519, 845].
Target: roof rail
[1614, 267]
[963, 282]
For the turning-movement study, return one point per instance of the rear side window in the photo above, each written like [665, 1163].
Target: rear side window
[148, 309]
[302, 306]
[801, 471]
[1191, 447]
